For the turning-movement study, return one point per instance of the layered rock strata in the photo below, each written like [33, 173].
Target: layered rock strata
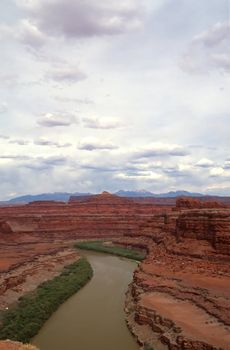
[179, 298]
[180, 295]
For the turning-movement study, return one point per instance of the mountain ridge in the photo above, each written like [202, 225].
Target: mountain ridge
[64, 196]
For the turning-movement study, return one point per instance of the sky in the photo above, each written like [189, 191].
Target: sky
[114, 94]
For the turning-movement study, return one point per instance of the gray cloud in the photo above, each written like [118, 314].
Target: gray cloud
[77, 18]
[52, 120]
[209, 50]
[43, 163]
[160, 149]
[66, 74]
[45, 142]
[101, 123]
[205, 163]
[4, 137]
[30, 35]
[3, 107]
[91, 144]
[20, 142]
[84, 101]
[14, 157]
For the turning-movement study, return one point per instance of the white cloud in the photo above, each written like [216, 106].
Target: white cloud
[91, 144]
[101, 123]
[141, 175]
[209, 50]
[52, 120]
[20, 142]
[218, 171]
[205, 163]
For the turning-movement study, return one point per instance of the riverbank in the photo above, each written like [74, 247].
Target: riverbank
[23, 321]
[94, 317]
[110, 248]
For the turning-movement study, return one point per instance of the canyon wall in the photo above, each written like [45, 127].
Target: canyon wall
[179, 298]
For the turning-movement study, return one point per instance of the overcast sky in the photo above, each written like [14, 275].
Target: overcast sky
[114, 94]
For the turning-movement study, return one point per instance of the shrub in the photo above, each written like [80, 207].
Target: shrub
[24, 321]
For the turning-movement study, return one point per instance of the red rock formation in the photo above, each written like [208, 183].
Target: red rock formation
[102, 215]
[179, 298]
[5, 227]
[10, 345]
[180, 293]
[195, 203]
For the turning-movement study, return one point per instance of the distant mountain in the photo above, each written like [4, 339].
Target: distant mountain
[171, 194]
[64, 196]
[141, 193]
[56, 196]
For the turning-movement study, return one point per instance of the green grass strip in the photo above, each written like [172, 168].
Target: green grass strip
[25, 320]
[115, 250]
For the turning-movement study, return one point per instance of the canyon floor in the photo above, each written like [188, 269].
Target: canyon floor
[180, 294]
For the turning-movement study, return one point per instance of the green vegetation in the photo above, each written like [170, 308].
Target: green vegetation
[24, 321]
[115, 250]
[148, 347]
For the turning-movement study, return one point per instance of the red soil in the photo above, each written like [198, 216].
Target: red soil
[182, 285]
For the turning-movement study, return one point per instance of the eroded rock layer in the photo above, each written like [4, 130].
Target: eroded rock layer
[181, 292]
[179, 298]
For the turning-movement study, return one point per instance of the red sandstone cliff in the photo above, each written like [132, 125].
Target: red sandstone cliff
[179, 298]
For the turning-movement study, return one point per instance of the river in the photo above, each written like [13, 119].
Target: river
[93, 318]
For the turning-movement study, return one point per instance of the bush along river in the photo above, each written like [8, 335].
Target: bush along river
[93, 318]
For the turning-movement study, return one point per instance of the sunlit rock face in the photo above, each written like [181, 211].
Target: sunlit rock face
[179, 292]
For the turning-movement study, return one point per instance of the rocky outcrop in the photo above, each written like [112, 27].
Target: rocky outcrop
[102, 215]
[195, 203]
[180, 291]
[179, 297]
[210, 225]
[5, 227]
[26, 276]
[10, 345]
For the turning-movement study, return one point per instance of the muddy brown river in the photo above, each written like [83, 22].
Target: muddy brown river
[93, 318]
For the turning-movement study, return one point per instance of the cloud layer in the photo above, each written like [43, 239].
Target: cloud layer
[105, 95]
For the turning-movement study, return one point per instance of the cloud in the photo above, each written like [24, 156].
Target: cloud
[218, 171]
[84, 101]
[3, 107]
[160, 149]
[4, 137]
[66, 74]
[25, 32]
[209, 50]
[227, 164]
[20, 142]
[30, 35]
[141, 175]
[52, 120]
[45, 142]
[205, 163]
[101, 123]
[14, 157]
[91, 144]
[77, 18]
